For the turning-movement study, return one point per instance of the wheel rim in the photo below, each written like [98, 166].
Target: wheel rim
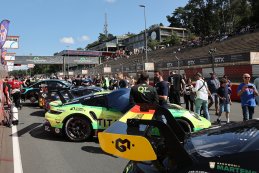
[77, 129]
[32, 99]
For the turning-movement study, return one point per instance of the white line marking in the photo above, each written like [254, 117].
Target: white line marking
[17, 161]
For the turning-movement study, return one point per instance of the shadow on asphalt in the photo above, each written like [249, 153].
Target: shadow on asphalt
[95, 150]
[30, 104]
[39, 113]
[26, 129]
[40, 133]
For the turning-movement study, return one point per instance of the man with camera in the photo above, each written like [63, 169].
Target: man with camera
[247, 92]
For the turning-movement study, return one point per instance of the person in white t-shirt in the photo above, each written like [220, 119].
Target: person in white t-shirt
[202, 94]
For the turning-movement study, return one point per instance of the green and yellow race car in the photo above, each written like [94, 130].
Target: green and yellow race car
[79, 121]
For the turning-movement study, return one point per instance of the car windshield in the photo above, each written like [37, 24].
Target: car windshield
[223, 141]
[67, 83]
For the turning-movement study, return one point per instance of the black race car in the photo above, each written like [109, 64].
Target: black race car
[74, 95]
[160, 145]
[31, 93]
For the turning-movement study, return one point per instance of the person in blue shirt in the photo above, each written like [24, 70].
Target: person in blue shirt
[247, 92]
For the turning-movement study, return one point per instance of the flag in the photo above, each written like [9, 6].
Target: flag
[3, 32]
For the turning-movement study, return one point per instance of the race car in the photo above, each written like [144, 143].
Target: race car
[158, 145]
[79, 121]
[98, 111]
[65, 96]
[32, 92]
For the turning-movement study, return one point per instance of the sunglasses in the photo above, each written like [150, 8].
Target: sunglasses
[247, 77]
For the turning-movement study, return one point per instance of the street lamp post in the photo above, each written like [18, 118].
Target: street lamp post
[178, 64]
[68, 60]
[64, 66]
[143, 6]
[211, 52]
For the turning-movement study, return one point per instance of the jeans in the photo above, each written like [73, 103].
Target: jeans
[204, 104]
[248, 112]
[188, 101]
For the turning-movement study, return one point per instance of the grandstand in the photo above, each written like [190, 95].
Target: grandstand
[236, 45]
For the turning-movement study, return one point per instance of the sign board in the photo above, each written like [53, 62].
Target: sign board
[254, 57]
[10, 63]
[31, 65]
[10, 68]
[60, 74]
[107, 70]
[55, 60]
[149, 66]
[12, 42]
[84, 71]
[70, 73]
[9, 57]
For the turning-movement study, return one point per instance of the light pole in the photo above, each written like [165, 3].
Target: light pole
[178, 64]
[68, 60]
[143, 6]
[211, 52]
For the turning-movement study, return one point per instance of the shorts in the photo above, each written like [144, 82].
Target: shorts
[224, 107]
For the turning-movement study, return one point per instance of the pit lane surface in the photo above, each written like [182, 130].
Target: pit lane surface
[43, 152]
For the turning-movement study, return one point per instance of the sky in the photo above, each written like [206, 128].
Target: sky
[49, 26]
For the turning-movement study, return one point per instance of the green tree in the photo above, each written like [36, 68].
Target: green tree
[172, 40]
[152, 44]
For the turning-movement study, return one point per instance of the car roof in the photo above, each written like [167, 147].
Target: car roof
[88, 88]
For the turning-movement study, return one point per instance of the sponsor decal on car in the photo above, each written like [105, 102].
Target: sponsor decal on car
[228, 167]
[122, 145]
[77, 109]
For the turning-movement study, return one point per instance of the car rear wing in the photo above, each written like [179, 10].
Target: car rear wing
[61, 97]
[122, 142]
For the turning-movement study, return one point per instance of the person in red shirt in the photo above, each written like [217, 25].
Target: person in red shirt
[15, 84]
[16, 93]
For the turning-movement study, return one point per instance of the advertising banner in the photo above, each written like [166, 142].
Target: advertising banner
[4, 25]
[55, 60]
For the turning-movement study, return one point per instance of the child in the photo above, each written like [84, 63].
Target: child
[224, 99]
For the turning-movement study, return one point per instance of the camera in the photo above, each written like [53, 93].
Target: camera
[250, 86]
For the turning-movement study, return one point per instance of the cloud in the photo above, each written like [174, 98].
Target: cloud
[67, 40]
[110, 1]
[84, 38]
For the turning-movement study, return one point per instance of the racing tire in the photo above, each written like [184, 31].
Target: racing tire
[77, 129]
[185, 125]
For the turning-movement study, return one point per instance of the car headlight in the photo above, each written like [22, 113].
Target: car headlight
[195, 115]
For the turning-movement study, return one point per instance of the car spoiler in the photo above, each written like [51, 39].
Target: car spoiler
[125, 131]
[62, 99]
